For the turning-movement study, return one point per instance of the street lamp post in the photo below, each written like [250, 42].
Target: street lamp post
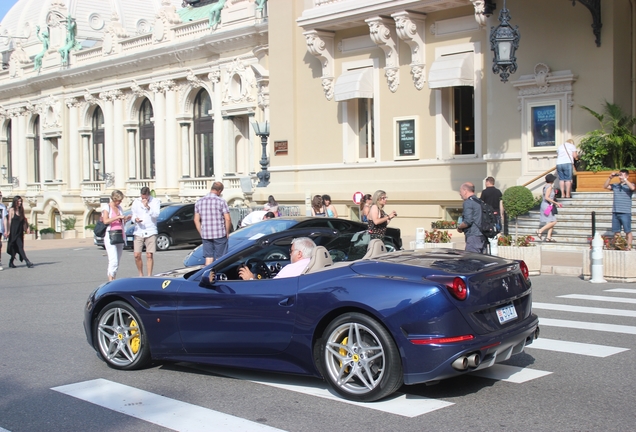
[12, 180]
[262, 130]
[504, 41]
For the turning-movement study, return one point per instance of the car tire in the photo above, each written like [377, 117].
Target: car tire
[120, 337]
[163, 242]
[375, 367]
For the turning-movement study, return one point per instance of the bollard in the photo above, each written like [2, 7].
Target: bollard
[419, 238]
[494, 246]
[597, 259]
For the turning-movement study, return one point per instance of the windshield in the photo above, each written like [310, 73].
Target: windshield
[260, 229]
[167, 212]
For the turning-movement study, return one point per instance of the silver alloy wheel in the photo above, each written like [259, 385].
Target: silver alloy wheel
[163, 242]
[354, 358]
[119, 337]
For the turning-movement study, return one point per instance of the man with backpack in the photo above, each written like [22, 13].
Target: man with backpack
[471, 219]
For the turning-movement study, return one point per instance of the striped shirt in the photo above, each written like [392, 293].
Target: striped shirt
[622, 198]
[211, 209]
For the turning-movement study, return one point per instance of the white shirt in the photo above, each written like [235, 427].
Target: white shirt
[148, 224]
[3, 214]
[562, 154]
[293, 269]
[252, 218]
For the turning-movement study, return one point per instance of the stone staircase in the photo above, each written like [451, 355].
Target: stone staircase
[574, 227]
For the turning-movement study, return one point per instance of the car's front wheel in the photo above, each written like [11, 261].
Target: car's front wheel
[163, 242]
[359, 359]
[121, 338]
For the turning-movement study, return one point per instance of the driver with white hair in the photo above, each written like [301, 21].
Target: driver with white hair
[299, 255]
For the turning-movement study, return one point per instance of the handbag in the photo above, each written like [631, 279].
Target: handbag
[555, 210]
[548, 210]
[116, 237]
[100, 229]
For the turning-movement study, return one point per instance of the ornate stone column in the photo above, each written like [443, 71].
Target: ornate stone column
[109, 147]
[160, 134]
[119, 168]
[22, 151]
[131, 131]
[184, 124]
[87, 163]
[171, 148]
[73, 144]
[219, 125]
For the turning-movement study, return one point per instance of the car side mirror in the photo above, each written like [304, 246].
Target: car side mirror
[205, 279]
[176, 218]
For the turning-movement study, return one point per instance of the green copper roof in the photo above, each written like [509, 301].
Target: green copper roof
[194, 13]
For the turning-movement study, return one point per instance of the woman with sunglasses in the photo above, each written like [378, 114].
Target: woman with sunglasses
[378, 219]
[17, 224]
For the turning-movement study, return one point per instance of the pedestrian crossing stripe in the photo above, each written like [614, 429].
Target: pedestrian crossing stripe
[156, 409]
[599, 298]
[622, 290]
[584, 309]
[513, 374]
[584, 325]
[575, 347]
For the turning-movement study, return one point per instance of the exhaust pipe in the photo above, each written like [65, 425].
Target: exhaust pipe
[474, 360]
[461, 363]
[536, 333]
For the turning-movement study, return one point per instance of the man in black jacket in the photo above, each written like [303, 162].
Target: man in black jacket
[492, 196]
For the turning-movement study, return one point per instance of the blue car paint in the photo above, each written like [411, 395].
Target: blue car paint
[275, 328]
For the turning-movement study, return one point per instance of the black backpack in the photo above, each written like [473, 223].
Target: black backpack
[488, 220]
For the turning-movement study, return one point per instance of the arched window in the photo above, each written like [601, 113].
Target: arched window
[146, 141]
[98, 144]
[36, 150]
[203, 131]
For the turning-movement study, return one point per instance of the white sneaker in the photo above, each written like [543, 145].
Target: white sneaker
[1, 267]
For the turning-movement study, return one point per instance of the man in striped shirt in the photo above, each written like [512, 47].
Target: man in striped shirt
[622, 209]
[212, 219]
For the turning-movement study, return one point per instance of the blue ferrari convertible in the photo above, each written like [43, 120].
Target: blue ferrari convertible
[366, 326]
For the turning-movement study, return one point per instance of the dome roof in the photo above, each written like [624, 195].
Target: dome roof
[92, 17]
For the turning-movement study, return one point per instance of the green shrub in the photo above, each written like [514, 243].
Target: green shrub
[48, 231]
[69, 223]
[517, 200]
[90, 226]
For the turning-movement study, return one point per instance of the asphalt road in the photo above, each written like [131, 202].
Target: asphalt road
[44, 358]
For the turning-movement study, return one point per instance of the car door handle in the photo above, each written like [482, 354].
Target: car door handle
[289, 301]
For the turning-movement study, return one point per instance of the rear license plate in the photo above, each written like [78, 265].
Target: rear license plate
[506, 313]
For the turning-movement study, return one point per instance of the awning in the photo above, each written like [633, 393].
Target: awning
[357, 83]
[451, 71]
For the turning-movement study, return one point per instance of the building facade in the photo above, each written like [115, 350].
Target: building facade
[361, 95]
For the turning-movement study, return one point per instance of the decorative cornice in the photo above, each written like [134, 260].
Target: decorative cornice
[321, 44]
[544, 81]
[410, 28]
[383, 34]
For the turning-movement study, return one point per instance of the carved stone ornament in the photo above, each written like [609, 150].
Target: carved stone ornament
[321, 44]
[410, 28]
[194, 80]
[383, 34]
[72, 102]
[546, 82]
[215, 76]
[233, 93]
[137, 90]
[480, 9]
[89, 98]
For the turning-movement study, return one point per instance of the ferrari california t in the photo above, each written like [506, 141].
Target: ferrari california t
[366, 326]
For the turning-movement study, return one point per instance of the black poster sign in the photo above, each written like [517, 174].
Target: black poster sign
[544, 126]
[406, 137]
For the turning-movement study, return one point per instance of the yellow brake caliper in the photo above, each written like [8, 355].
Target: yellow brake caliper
[343, 352]
[135, 342]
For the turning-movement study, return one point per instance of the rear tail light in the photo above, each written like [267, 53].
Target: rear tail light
[524, 270]
[458, 288]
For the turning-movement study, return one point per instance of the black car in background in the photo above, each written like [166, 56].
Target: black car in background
[351, 233]
[175, 226]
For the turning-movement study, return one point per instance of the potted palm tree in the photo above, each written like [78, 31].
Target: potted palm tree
[518, 200]
[69, 227]
[611, 147]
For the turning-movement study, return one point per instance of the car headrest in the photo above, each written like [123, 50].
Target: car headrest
[320, 258]
[376, 247]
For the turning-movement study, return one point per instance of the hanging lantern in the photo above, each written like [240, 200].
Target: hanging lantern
[504, 41]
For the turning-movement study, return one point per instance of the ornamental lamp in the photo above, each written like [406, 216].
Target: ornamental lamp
[262, 130]
[504, 41]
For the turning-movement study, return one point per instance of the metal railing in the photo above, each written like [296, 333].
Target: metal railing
[543, 174]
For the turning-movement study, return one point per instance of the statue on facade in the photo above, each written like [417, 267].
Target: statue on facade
[260, 4]
[71, 43]
[44, 38]
[215, 13]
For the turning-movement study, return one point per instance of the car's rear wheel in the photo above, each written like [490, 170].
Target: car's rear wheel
[163, 242]
[121, 338]
[359, 359]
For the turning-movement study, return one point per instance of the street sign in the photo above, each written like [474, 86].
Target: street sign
[357, 197]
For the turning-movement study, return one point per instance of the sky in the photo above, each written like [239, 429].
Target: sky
[5, 5]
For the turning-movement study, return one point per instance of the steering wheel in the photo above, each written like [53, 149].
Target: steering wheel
[277, 256]
[259, 268]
